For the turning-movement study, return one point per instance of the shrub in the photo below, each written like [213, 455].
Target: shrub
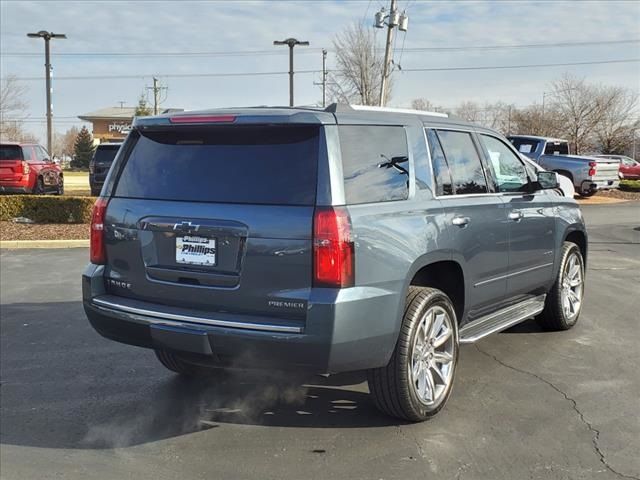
[47, 209]
[630, 185]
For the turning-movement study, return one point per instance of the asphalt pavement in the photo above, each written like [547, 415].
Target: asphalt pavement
[526, 404]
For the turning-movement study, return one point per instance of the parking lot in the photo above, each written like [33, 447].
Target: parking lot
[527, 404]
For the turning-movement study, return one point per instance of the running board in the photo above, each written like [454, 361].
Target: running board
[501, 320]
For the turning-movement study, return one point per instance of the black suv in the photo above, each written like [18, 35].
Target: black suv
[100, 164]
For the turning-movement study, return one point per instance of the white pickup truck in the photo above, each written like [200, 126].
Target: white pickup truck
[588, 174]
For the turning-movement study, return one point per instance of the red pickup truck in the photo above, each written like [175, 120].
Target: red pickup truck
[27, 168]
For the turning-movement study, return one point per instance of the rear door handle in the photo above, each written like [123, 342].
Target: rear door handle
[516, 215]
[461, 221]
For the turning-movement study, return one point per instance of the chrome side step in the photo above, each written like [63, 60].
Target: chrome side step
[501, 320]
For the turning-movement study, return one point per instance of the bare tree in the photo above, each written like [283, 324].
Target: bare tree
[359, 64]
[469, 111]
[614, 132]
[12, 110]
[579, 107]
[63, 143]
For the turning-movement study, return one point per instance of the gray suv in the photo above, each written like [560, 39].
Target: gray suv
[345, 239]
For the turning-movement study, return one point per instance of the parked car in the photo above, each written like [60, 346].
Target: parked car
[629, 168]
[27, 168]
[588, 174]
[345, 239]
[100, 164]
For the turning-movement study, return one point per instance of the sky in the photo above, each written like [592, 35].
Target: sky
[98, 31]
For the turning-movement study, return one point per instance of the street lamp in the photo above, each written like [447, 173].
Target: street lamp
[290, 42]
[47, 64]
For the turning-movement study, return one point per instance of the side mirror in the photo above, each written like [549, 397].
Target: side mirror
[547, 181]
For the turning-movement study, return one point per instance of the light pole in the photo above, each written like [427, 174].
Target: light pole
[47, 64]
[290, 42]
[394, 20]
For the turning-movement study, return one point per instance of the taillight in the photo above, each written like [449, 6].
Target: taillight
[333, 251]
[25, 168]
[592, 169]
[98, 255]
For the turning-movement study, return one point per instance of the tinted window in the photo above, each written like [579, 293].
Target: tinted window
[524, 145]
[105, 153]
[11, 152]
[260, 165]
[508, 170]
[440, 168]
[375, 163]
[556, 148]
[464, 162]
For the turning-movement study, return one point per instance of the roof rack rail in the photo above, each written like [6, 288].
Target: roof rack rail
[342, 107]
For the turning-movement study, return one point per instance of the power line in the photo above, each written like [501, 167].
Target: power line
[244, 74]
[504, 67]
[167, 75]
[317, 50]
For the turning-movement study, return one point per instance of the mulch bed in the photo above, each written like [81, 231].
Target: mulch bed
[44, 231]
[619, 194]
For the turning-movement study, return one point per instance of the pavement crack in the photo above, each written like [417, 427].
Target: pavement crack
[594, 431]
[414, 440]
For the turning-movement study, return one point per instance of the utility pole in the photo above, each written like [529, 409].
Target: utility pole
[156, 94]
[290, 42]
[394, 20]
[47, 36]
[324, 78]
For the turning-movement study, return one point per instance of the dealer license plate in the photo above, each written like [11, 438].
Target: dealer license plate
[194, 250]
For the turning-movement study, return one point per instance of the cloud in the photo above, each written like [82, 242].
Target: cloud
[244, 25]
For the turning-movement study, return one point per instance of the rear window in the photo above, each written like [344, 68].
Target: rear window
[464, 162]
[227, 164]
[524, 145]
[11, 152]
[556, 148]
[375, 163]
[105, 153]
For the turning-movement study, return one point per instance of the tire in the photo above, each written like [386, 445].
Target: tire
[39, 188]
[176, 364]
[396, 388]
[60, 189]
[587, 193]
[557, 313]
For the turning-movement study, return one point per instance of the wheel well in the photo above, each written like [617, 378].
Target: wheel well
[579, 239]
[565, 173]
[446, 276]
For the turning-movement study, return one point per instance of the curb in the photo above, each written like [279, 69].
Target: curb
[11, 244]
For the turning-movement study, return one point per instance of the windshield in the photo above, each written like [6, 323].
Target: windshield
[258, 165]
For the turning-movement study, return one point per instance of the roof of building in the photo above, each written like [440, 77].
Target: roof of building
[123, 113]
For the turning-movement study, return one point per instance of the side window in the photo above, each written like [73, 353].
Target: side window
[441, 173]
[464, 163]
[27, 153]
[375, 163]
[508, 169]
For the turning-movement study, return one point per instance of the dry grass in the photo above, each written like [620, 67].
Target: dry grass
[44, 231]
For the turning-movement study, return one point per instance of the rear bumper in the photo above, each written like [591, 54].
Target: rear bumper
[14, 185]
[4, 188]
[345, 330]
[594, 185]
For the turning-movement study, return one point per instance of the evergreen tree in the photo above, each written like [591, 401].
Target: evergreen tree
[142, 109]
[83, 149]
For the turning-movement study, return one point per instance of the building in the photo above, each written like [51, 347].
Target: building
[110, 124]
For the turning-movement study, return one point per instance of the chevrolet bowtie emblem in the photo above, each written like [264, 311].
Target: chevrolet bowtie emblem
[186, 227]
